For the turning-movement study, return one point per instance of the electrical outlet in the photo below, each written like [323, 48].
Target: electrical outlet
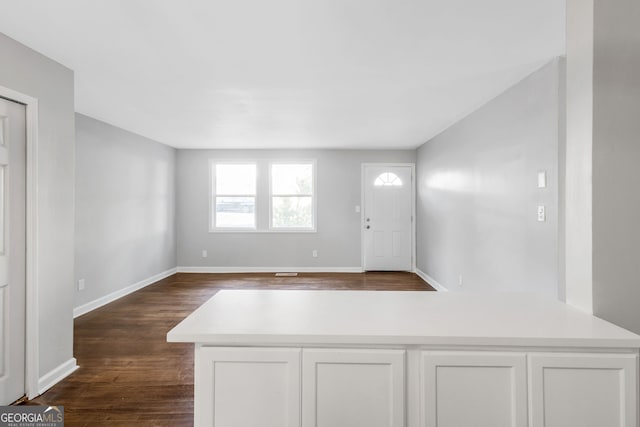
[81, 285]
[541, 213]
[314, 253]
[204, 253]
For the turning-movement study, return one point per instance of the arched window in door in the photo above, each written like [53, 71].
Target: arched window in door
[387, 179]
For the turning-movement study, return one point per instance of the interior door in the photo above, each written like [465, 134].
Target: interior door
[387, 217]
[12, 250]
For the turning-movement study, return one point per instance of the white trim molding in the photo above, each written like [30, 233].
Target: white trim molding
[97, 303]
[56, 375]
[430, 280]
[32, 357]
[270, 270]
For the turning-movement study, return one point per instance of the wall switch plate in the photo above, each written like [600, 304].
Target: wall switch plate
[542, 179]
[460, 280]
[314, 253]
[357, 208]
[81, 285]
[541, 213]
[205, 253]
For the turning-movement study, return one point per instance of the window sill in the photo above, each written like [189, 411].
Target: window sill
[262, 231]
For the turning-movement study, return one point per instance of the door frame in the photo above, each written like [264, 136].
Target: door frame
[363, 166]
[32, 369]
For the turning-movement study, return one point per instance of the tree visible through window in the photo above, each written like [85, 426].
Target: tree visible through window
[292, 196]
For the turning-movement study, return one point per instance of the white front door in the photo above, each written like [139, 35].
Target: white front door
[387, 218]
[12, 250]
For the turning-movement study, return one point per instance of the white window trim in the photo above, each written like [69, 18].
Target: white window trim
[263, 166]
[314, 196]
[213, 228]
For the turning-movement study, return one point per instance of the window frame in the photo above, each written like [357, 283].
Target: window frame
[263, 195]
[213, 226]
[313, 195]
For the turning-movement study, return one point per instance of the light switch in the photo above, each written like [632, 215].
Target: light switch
[542, 179]
[541, 213]
[357, 209]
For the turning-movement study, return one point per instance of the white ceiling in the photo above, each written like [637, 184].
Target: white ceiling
[289, 73]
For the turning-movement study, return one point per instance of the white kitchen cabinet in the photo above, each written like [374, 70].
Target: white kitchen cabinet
[407, 359]
[583, 390]
[248, 387]
[347, 388]
[480, 389]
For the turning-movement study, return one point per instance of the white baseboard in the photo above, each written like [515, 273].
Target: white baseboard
[270, 270]
[56, 375]
[92, 305]
[430, 280]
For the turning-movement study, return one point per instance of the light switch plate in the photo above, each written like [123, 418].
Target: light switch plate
[542, 179]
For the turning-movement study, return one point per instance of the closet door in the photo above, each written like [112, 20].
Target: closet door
[12, 250]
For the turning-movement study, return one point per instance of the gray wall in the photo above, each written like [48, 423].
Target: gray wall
[616, 162]
[30, 73]
[338, 225]
[125, 203]
[477, 193]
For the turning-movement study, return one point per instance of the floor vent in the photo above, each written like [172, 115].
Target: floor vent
[286, 274]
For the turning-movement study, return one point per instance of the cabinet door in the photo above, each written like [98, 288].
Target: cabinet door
[480, 389]
[353, 388]
[248, 387]
[583, 390]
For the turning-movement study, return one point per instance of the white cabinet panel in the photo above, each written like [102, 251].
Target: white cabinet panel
[578, 390]
[248, 387]
[353, 388]
[480, 389]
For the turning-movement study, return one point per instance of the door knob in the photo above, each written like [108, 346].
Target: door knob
[368, 219]
[368, 227]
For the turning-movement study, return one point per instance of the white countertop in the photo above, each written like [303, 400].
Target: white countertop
[250, 317]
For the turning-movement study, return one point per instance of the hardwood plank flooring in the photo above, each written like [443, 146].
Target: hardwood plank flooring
[129, 375]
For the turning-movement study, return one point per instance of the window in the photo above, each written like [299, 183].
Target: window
[234, 196]
[262, 196]
[292, 199]
[387, 179]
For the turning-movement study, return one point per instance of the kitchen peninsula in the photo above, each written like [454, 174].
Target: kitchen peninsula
[395, 359]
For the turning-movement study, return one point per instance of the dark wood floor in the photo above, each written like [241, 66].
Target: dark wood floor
[130, 376]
